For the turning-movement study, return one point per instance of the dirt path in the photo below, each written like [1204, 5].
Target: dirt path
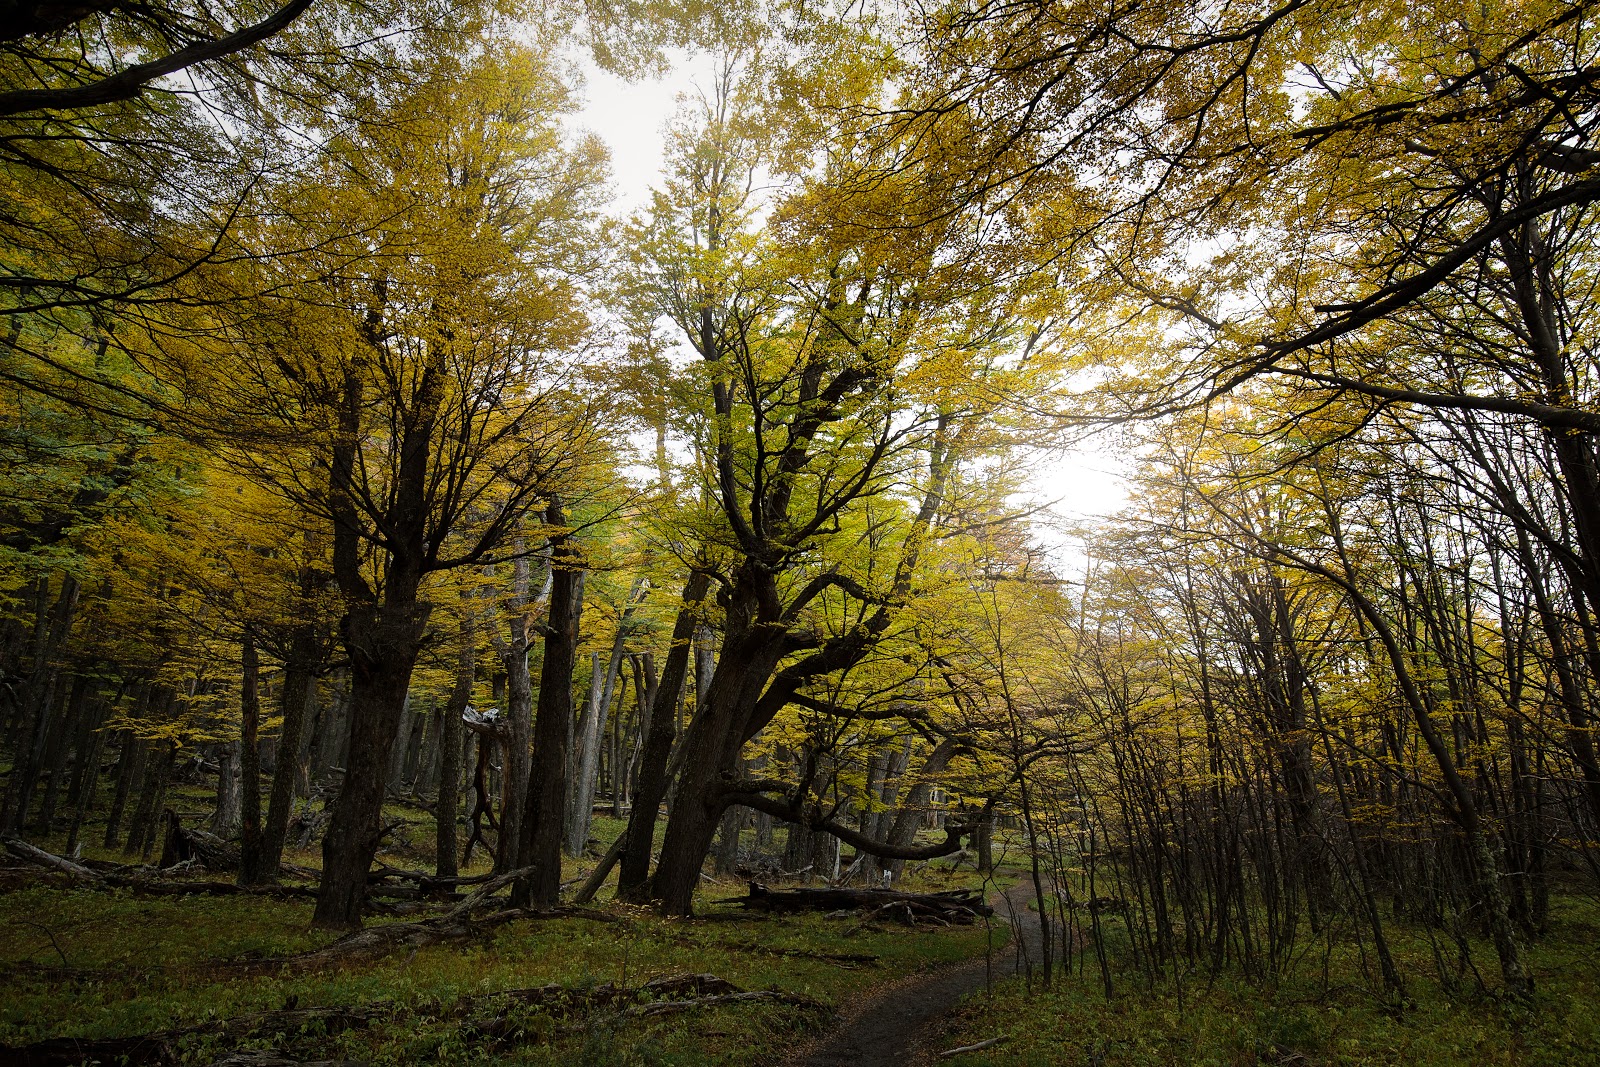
[892, 1028]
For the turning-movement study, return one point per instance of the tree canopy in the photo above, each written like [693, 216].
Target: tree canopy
[355, 444]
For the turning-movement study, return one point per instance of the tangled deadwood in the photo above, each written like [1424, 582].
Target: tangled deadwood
[958, 906]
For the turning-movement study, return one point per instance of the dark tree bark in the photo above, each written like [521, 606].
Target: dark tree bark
[225, 816]
[382, 631]
[251, 871]
[57, 748]
[383, 642]
[513, 651]
[750, 654]
[450, 752]
[299, 694]
[32, 725]
[130, 754]
[646, 683]
[142, 836]
[540, 843]
[662, 729]
[86, 776]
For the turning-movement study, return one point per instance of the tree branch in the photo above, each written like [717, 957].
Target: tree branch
[131, 81]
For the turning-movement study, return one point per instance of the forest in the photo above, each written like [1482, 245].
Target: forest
[433, 592]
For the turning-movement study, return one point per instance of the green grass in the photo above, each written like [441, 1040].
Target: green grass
[103, 964]
[1320, 1014]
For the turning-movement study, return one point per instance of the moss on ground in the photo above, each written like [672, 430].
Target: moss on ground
[1321, 1012]
[90, 964]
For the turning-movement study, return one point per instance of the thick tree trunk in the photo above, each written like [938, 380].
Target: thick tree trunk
[519, 714]
[725, 857]
[714, 739]
[382, 642]
[540, 844]
[310, 731]
[519, 707]
[659, 735]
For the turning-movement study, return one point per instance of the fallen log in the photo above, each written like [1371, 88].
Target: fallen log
[673, 1007]
[261, 1058]
[977, 1047]
[458, 924]
[566, 998]
[24, 851]
[951, 905]
[383, 872]
[142, 880]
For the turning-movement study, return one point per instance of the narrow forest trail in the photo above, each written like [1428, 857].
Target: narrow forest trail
[895, 1028]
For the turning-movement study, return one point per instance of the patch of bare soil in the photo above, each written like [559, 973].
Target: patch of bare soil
[896, 1028]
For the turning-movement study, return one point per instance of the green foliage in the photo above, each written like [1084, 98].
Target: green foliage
[1321, 1015]
[137, 964]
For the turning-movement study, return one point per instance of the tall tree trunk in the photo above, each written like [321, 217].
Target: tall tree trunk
[147, 814]
[519, 710]
[298, 695]
[250, 858]
[450, 751]
[130, 754]
[592, 728]
[382, 629]
[57, 747]
[86, 779]
[659, 735]
[32, 726]
[383, 642]
[539, 845]
[225, 818]
[643, 668]
[716, 736]
[334, 729]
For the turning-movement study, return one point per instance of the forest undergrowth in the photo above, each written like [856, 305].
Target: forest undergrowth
[603, 985]
[1323, 1009]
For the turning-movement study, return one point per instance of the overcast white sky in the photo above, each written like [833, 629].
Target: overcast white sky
[1084, 483]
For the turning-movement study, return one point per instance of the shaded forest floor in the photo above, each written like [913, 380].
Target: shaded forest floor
[1318, 1012]
[614, 985]
[610, 985]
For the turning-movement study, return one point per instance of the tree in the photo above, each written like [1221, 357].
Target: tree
[841, 371]
[1228, 169]
[411, 386]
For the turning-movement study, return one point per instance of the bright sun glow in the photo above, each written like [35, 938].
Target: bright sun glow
[1079, 485]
